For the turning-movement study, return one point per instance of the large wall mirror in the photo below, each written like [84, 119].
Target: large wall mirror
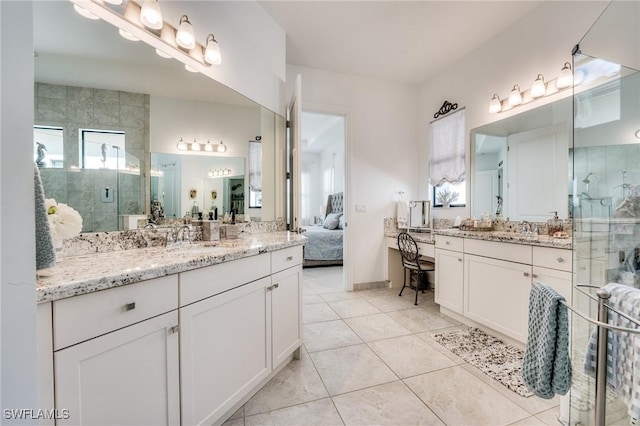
[523, 160]
[103, 104]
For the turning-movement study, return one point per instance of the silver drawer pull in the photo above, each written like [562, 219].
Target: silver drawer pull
[447, 242]
[535, 275]
[130, 306]
[270, 288]
[289, 259]
[560, 260]
[276, 286]
[174, 329]
[526, 274]
[459, 260]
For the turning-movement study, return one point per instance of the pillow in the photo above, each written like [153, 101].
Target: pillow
[341, 222]
[332, 220]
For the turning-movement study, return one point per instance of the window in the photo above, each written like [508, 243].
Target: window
[102, 149]
[48, 147]
[255, 174]
[447, 160]
[439, 194]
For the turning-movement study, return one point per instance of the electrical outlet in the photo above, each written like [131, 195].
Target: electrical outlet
[361, 208]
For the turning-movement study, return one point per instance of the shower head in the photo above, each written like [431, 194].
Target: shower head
[586, 179]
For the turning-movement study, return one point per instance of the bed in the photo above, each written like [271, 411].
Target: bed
[325, 242]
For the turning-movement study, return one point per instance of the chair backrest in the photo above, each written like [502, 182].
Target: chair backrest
[408, 249]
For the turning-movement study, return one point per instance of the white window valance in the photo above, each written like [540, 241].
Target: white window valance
[448, 149]
[255, 166]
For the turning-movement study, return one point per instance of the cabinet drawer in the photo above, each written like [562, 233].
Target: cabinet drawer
[449, 243]
[201, 283]
[504, 251]
[428, 250]
[553, 258]
[80, 318]
[285, 258]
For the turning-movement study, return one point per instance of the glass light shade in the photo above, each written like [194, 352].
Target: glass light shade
[184, 35]
[163, 54]
[128, 35]
[212, 53]
[151, 15]
[495, 105]
[115, 2]
[565, 79]
[190, 68]
[221, 147]
[195, 146]
[208, 146]
[84, 12]
[182, 145]
[538, 88]
[515, 97]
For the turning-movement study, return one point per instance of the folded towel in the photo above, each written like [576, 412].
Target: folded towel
[623, 349]
[546, 367]
[45, 254]
[402, 215]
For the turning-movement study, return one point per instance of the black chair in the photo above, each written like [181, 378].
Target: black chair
[412, 262]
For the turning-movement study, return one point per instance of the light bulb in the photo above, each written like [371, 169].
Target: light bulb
[495, 105]
[115, 2]
[184, 36]
[208, 146]
[565, 79]
[515, 97]
[182, 145]
[84, 12]
[190, 68]
[538, 88]
[163, 54]
[128, 35]
[212, 53]
[151, 15]
[195, 146]
[221, 147]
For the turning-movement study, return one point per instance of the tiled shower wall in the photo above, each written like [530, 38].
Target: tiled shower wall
[74, 108]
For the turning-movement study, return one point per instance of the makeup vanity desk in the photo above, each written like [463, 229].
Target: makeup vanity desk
[393, 270]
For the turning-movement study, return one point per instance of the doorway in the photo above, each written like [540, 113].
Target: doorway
[322, 195]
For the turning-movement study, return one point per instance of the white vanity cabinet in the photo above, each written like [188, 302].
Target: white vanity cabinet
[449, 273]
[553, 266]
[116, 355]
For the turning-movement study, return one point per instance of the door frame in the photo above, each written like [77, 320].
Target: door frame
[346, 113]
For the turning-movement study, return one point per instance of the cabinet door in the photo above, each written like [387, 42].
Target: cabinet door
[559, 280]
[449, 279]
[225, 350]
[127, 377]
[286, 296]
[497, 294]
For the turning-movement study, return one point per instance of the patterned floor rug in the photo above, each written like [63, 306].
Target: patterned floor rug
[496, 359]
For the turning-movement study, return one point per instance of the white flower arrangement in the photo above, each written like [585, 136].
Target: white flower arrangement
[64, 221]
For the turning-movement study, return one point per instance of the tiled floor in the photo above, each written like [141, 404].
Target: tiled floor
[369, 359]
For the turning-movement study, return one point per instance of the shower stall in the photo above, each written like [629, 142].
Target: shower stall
[605, 200]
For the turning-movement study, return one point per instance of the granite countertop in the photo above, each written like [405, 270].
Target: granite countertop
[78, 275]
[420, 237]
[509, 237]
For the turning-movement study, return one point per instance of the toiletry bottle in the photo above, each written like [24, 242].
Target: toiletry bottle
[554, 224]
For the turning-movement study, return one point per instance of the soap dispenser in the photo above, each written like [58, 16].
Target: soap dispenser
[554, 224]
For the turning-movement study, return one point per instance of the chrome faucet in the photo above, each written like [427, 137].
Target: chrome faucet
[177, 234]
[525, 227]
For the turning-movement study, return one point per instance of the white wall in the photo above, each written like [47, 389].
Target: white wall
[253, 46]
[540, 43]
[18, 388]
[382, 134]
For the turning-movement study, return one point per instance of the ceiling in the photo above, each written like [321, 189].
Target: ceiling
[405, 41]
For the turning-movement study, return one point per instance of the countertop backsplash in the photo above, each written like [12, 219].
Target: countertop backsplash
[103, 242]
[391, 226]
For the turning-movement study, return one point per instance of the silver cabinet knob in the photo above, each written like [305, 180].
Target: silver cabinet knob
[174, 329]
[459, 260]
[130, 306]
[289, 259]
[560, 260]
[535, 275]
[526, 274]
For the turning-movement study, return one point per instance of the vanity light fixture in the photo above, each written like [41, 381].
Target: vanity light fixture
[221, 147]
[208, 146]
[115, 2]
[219, 172]
[539, 87]
[212, 53]
[128, 35]
[565, 79]
[195, 146]
[495, 105]
[182, 145]
[163, 54]
[515, 97]
[190, 68]
[184, 35]
[638, 133]
[84, 12]
[151, 15]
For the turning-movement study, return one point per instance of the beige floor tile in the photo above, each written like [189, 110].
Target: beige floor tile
[409, 356]
[318, 312]
[234, 422]
[320, 413]
[308, 299]
[392, 302]
[550, 417]
[353, 308]
[530, 421]
[376, 292]
[459, 398]
[388, 404]
[328, 335]
[351, 368]
[376, 327]
[420, 320]
[297, 383]
[428, 339]
[238, 414]
[343, 295]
